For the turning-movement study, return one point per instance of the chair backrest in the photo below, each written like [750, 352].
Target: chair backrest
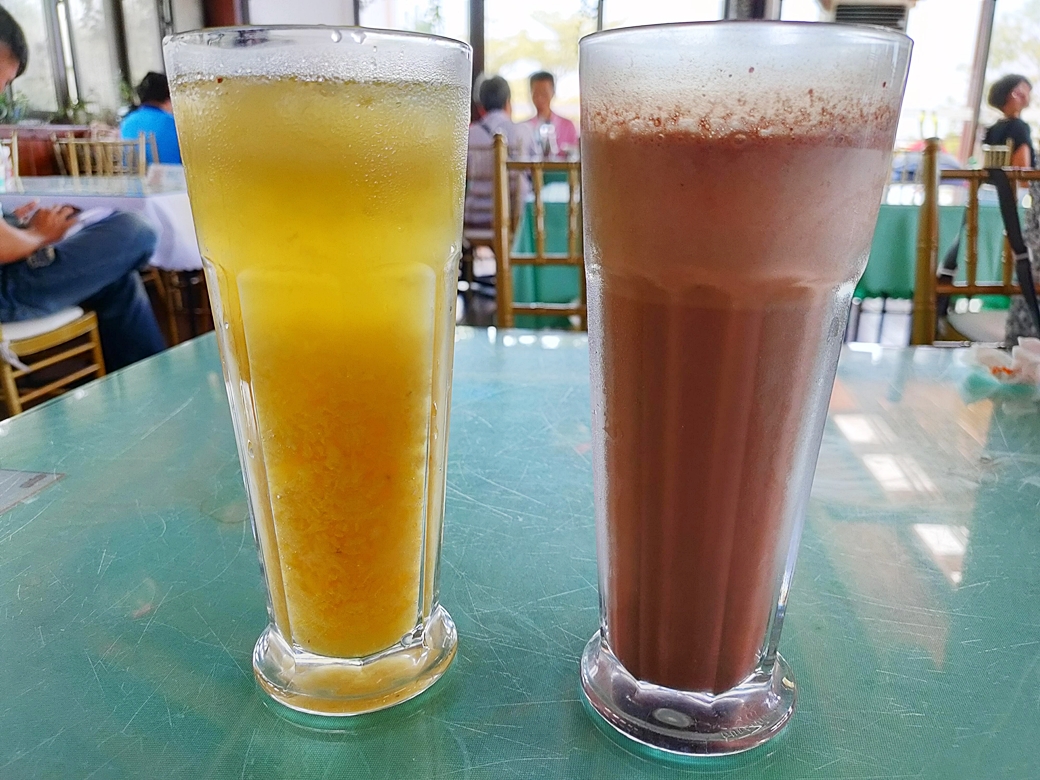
[11, 144]
[505, 226]
[929, 287]
[97, 157]
[996, 156]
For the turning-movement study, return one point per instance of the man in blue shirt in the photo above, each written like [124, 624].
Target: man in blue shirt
[154, 115]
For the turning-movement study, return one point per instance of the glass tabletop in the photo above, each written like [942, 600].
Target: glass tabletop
[161, 180]
[131, 597]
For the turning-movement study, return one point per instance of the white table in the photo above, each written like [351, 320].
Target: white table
[162, 197]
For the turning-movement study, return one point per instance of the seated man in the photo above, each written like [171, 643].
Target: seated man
[564, 133]
[494, 97]
[154, 115]
[42, 271]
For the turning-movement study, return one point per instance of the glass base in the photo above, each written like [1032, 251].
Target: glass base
[320, 685]
[686, 723]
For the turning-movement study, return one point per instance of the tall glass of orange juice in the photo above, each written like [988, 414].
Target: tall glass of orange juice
[326, 172]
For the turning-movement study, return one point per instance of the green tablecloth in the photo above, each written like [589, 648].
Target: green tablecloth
[545, 284]
[890, 270]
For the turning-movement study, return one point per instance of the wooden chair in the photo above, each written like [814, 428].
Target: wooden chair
[506, 258]
[182, 300]
[153, 150]
[57, 350]
[159, 292]
[480, 167]
[927, 326]
[996, 156]
[11, 145]
[187, 300]
[470, 284]
[102, 157]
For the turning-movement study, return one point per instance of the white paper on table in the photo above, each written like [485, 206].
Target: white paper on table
[19, 486]
[89, 217]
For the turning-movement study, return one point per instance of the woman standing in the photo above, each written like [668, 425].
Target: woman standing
[1010, 95]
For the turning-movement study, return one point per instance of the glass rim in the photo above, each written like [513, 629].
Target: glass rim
[826, 29]
[194, 37]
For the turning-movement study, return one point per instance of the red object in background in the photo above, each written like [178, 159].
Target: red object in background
[919, 146]
[223, 13]
[36, 149]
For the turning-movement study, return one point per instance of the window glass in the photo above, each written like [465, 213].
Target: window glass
[439, 17]
[1015, 49]
[800, 11]
[523, 38]
[34, 88]
[936, 102]
[143, 38]
[97, 76]
[626, 13]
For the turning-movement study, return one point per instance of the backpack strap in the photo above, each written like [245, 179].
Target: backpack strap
[1020, 252]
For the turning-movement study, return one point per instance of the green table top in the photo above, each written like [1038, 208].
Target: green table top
[130, 595]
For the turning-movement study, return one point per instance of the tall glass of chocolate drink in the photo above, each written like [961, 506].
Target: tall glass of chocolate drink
[731, 176]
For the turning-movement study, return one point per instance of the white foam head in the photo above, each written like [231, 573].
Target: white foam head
[317, 54]
[761, 78]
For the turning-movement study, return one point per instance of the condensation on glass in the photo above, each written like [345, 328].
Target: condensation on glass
[331, 237]
[731, 178]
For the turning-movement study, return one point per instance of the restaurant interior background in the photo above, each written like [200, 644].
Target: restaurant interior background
[132, 601]
[86, 55]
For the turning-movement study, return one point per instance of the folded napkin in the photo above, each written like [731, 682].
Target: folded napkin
[1021, 367]
[1013, 377]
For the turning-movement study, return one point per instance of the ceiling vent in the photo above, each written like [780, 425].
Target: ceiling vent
[893, 16]
[883, 13]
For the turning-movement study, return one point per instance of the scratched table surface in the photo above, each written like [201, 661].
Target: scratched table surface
[130, 594]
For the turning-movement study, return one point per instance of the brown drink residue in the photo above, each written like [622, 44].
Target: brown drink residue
[713, 274]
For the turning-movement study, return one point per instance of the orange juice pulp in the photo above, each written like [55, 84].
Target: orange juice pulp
[329, 215]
